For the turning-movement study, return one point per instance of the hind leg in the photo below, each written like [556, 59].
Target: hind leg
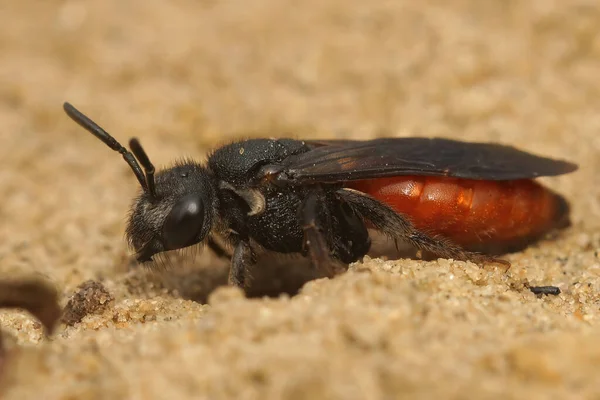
[396, 226]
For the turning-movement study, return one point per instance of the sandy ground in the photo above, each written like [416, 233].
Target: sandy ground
[186, 75]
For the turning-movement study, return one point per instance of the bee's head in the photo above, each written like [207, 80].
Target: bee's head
[175, 209]
[179, 214]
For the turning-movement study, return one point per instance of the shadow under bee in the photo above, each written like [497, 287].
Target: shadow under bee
[196, 278]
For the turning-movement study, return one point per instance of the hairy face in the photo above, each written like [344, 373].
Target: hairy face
[180, 215]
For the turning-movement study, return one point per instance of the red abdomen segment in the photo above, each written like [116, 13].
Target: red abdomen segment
[472, 213]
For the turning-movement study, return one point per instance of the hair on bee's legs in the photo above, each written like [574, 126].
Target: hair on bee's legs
[396, 226]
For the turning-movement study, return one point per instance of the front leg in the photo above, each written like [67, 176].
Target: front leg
[314, 242]
[243, 258]
[218, 249]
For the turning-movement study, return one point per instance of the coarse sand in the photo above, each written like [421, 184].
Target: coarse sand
[188, 75]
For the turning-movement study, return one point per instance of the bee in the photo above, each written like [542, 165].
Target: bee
[320, 198]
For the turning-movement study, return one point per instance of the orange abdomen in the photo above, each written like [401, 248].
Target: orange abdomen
[471, 212]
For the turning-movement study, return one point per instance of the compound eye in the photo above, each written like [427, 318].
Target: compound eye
[184, 223]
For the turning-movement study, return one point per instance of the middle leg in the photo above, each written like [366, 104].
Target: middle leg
[316, 225]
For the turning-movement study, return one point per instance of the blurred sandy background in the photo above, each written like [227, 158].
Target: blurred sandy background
[186, 75]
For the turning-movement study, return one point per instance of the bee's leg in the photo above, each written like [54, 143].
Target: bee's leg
[316, 224]
[216, 247]
[398, 226]
[243, 257]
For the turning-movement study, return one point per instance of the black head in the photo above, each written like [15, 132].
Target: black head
[176, 208]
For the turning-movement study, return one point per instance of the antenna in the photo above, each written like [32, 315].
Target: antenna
[140, 154]
[146, 181]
